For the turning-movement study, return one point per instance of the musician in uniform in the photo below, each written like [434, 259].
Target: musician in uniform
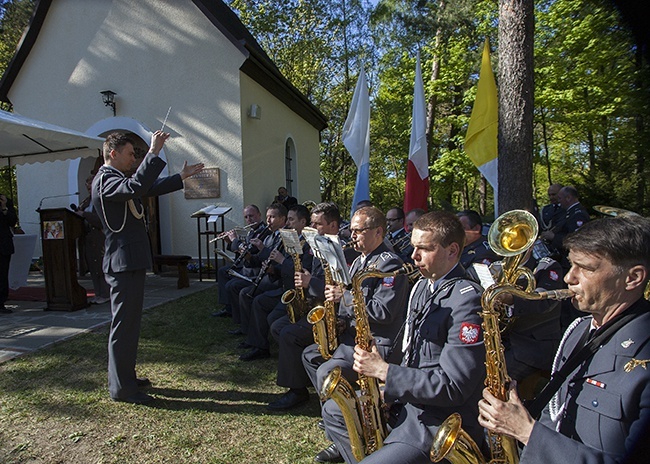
[575, 217]
[294, 338]
[477, 249]
[411, 217]
[397, 234]
[261, 248]
[261, 304]
[385, 298]
[252, 218]
[552, 214]
[599, 408]
[442, 369]
[532, 337]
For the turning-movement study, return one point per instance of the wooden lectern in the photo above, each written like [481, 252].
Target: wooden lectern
[60, 228]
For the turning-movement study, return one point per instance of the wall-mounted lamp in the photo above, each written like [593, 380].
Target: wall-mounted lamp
[108, 97]
[255, 111]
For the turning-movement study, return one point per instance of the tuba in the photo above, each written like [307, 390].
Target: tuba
[362, 414]
[510, 236]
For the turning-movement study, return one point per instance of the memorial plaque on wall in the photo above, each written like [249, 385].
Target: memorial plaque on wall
[205, 184]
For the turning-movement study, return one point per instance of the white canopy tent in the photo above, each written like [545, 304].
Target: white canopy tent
[24, 140]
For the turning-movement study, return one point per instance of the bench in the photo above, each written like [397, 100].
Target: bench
[180, 261]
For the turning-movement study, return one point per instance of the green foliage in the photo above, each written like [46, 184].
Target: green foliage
[591, 94]
[14, 17]
[591, 90]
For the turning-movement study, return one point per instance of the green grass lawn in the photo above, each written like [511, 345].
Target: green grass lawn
[210, 407]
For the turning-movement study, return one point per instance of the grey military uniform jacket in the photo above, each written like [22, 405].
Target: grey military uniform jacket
[607, 406]
[127, 242]
[444, 370]
[574, 218]
[478, 252]
[385, 298]
[535, 333]
[552, 216]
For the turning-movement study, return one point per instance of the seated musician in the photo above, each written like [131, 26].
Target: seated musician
[597, 408]
[442, 369]
[531, 339]
[385, 298]
[276, 218]
[260, 304]
[477, 249]
[253, 218]
[397, 234]
[294, 338]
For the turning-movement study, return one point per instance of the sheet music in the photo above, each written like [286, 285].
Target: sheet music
[291, 241]
[310, 234]
[330, 248]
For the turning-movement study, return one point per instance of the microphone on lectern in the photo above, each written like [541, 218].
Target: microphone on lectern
[54, 196]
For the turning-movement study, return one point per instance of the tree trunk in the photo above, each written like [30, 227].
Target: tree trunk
[515, 105]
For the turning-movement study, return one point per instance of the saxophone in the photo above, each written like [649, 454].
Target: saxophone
[511, 235]
[362, 414]
[323, 320]
[295, 298]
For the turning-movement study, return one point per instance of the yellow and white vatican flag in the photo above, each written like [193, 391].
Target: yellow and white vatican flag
[481, 139]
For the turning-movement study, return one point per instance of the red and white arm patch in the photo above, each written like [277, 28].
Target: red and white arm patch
[388, 281]
[470, 333]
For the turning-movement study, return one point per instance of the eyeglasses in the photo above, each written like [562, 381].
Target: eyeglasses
[394, 219]
[358, 231]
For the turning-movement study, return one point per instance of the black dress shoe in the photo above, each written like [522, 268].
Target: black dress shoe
[5, 310]
[329, 454]
[321, 424]
[236, 331]
[291, 399]
[143, 382]
[221, 313]
[255, 353]
[136, 398]
[244, 346]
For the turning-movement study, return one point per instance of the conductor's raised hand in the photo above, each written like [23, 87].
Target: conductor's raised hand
[158, 139]
[190, 170]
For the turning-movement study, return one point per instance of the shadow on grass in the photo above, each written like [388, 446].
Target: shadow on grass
[228, 402]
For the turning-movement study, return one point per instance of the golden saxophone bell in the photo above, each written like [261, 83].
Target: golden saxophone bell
[513, 233]
[454, 444]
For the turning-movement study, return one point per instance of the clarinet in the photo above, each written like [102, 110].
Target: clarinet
[247, 249]
[265, 266]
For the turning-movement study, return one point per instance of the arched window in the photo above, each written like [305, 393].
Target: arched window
[290, 167]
